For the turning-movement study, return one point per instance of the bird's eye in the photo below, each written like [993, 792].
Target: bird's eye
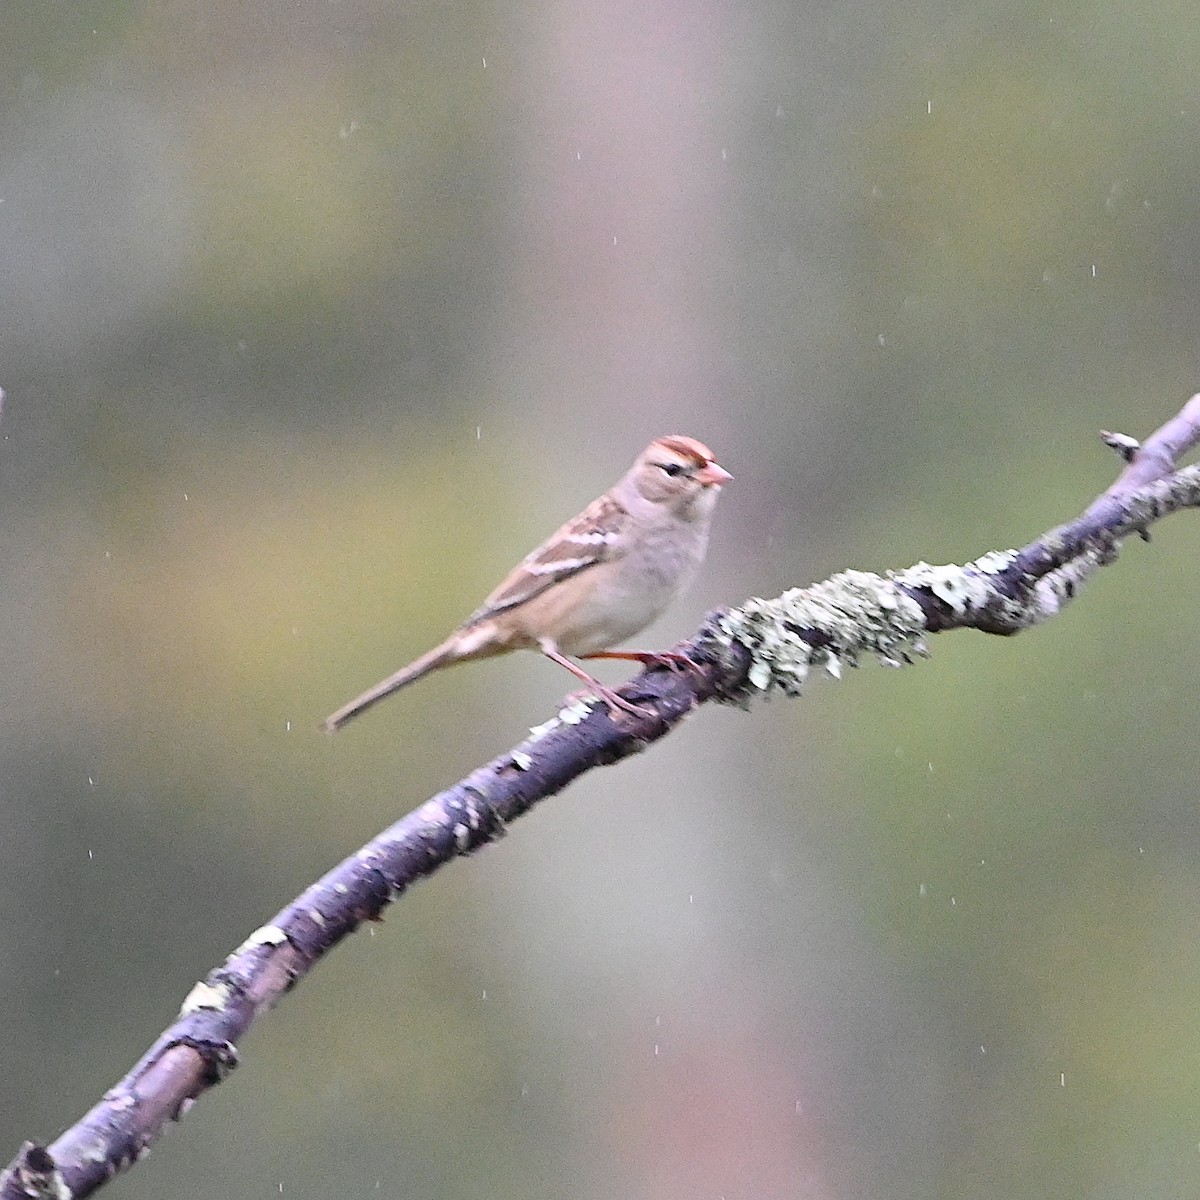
[672, 469]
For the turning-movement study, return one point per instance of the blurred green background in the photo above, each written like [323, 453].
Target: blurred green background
[317, 315]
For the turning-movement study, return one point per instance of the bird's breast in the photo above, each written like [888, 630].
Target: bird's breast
[627, 594]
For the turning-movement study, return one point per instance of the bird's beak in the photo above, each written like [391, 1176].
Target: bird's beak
[712, 475]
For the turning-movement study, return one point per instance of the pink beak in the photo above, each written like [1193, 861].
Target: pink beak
[712, 475]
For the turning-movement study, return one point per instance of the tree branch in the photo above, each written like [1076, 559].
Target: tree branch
[762, 646]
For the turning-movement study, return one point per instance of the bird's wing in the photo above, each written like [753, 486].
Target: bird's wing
[593, 537]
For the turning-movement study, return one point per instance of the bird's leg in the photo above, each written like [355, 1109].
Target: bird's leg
[671, 659]
[606, 694]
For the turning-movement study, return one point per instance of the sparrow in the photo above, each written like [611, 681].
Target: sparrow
[602, 577]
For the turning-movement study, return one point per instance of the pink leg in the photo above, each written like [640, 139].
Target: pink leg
[650, 658]
[609, 697]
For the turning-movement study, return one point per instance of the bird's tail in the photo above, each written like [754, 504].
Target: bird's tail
[440, 656]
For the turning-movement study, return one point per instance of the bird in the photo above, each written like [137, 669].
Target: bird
[599, 579]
